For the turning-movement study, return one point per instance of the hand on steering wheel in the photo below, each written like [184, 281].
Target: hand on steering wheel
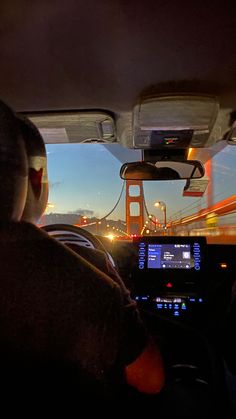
[71, 234]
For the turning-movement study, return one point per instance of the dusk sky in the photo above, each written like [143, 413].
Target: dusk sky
[86, 177]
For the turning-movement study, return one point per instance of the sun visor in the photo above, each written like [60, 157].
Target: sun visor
[75, 127]
[169, 122]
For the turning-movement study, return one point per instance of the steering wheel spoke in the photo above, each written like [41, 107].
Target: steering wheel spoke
[70, 234]
[67, 233]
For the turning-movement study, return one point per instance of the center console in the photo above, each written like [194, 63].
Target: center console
[168, 275]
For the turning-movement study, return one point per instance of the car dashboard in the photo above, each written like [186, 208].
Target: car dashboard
[179, 278]
[168, 274]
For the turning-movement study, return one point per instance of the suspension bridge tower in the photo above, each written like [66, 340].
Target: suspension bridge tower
[134, 206]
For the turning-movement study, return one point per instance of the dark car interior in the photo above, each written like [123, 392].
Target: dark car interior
[162, 75]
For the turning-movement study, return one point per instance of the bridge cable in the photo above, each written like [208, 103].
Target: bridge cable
[117, 203]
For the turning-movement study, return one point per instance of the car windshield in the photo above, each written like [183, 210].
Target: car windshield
[86, 190]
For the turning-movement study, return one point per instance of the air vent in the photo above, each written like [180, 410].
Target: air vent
[75, 127]
[174, 121]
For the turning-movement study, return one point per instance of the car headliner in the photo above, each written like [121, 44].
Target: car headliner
[70, 54]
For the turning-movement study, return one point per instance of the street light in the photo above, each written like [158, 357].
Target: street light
[153, 220]
[162, 206]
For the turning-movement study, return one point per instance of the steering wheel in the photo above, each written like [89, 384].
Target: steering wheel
[71, 234]
[67, 233]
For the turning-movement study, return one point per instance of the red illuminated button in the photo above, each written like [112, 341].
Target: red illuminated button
[169, 285]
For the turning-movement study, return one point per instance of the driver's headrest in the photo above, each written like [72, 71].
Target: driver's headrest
[13, 167]
[37, 194]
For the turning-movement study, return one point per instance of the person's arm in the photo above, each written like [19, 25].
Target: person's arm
[144, 365]
[146, 374]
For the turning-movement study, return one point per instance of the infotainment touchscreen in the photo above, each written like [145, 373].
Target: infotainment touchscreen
[172, 256]
[170, 253]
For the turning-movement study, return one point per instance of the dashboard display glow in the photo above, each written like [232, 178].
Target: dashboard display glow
[153, 255]
[170, 256]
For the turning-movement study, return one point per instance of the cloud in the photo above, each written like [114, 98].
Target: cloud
[82, 211]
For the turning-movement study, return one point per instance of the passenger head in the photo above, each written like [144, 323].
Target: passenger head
[168, 173]
[37, 195]
[13, 167]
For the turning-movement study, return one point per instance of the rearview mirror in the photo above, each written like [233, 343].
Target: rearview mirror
[162, 170]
